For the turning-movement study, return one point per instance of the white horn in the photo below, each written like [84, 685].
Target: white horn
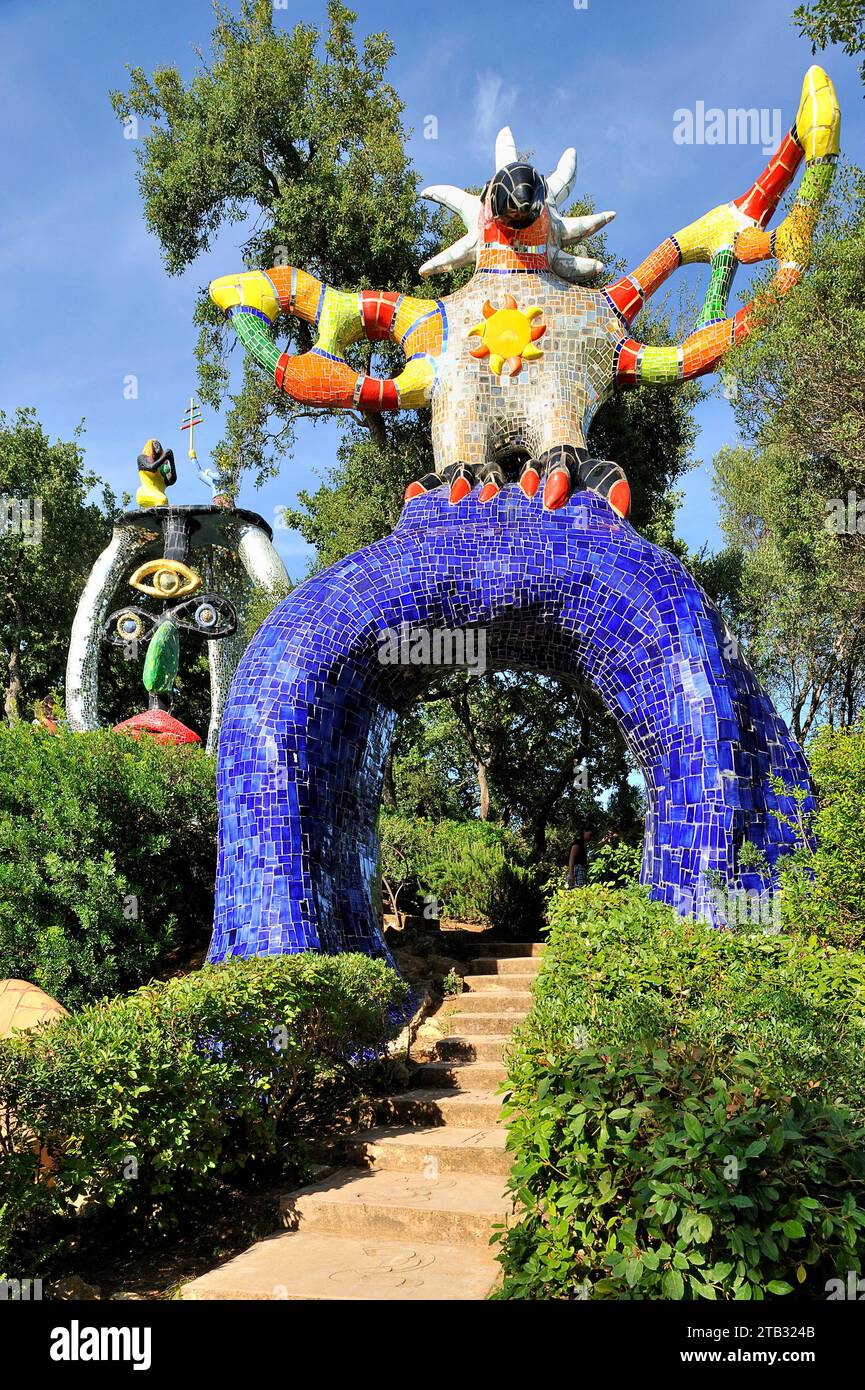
[506, 147]
[561, 180]
[465, 205]
[454, 257]
[578, 228]
[576, 269]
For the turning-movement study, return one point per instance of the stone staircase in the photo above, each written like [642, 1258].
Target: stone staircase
[410, 1215]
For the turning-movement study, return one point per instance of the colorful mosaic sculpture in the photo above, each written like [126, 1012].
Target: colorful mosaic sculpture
[517, 362]
[514, 365]
[162, 544]
[156, 472]
[575, 593]
[167, 577]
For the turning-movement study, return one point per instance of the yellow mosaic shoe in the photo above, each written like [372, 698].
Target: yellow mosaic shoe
[818, 120]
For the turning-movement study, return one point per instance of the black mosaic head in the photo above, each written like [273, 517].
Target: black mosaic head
[517, 195]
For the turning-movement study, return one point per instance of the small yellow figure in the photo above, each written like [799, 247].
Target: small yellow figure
[157, 472]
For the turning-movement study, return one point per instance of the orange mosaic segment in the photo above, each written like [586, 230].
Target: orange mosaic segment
[509, 258]
[654, 270]
[742, 322]
[752, 244]
[631, 292]
[702, 351]
[519, 239]
[317, 379]
[299, 293]
[505, 248]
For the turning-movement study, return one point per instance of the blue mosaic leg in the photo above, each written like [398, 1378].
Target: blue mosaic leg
[576, 594]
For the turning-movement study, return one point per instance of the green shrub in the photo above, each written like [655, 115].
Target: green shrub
[615, 863]
[145, 1103]
[823, 889]
[107, 857]
[687, 1110]
[471, 868]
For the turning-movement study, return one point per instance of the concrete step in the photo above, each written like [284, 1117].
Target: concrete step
[444, 1107]
[503, 949]
[507, 1001]
[464, 1076]
[441, 1149]
[474, 1023]
[455, 1207]
[472, 1048]
[506, 965]
[295, 1265]
[494, 984]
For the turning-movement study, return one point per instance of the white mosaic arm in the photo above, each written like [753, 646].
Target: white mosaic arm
[82, 665]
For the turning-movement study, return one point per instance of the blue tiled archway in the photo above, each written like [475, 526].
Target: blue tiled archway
[575, 594]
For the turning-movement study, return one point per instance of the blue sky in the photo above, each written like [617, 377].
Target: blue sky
[86, 299]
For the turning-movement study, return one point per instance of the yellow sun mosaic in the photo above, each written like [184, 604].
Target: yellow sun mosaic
[509, 336]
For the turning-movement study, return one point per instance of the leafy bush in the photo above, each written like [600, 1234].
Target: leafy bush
[615, 863]
[687, 1110]
[823, 887]
[107, 858]
[471, 868]
[146, 1102]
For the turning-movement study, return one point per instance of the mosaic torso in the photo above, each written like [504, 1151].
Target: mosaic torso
[476, 413]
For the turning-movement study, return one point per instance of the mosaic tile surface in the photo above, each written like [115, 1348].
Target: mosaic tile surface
[576, 593]
[515, 364]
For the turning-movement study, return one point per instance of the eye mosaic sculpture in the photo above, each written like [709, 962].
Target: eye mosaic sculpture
[514, 366]
[172, 544]
[166, 577]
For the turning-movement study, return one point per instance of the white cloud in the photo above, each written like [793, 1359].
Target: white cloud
[494, 101]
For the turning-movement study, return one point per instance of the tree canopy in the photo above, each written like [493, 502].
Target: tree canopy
[790, 497]
[49, 538]
[825, 22]
[296, 138]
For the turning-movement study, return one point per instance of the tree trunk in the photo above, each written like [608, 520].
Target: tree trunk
[484, 789]
[544, 815]
[539, 840]
[376, 426]
[394, 903]
[480, 757]
[14, 691]
[388, 791]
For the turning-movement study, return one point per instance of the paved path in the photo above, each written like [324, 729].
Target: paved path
[411, 1214]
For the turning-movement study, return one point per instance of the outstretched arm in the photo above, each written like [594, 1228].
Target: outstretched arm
[730, 235]
[254, 299]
